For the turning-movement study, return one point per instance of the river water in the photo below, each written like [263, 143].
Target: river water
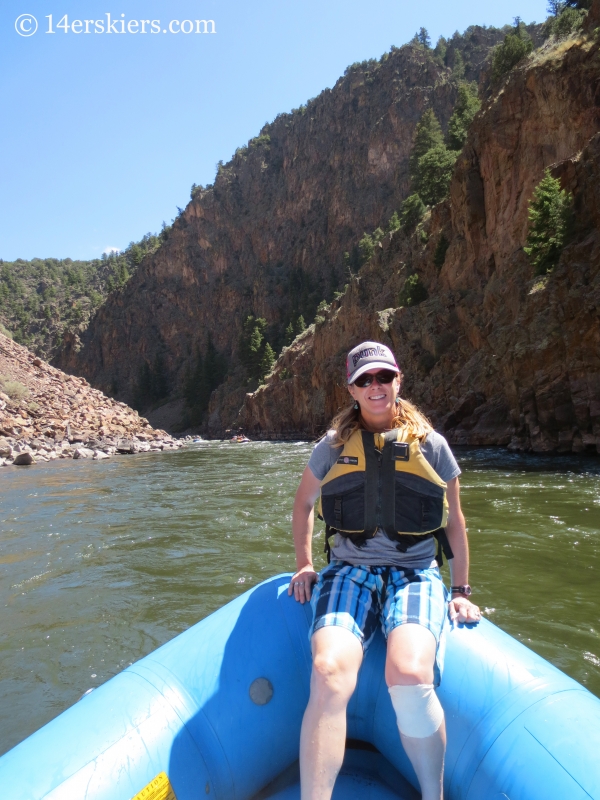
[100, 563]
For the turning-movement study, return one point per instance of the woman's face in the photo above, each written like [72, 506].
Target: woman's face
[378, 401]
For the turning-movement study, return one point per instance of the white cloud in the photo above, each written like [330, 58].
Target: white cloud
[109, 250]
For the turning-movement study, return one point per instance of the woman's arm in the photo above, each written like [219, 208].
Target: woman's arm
[461, 608]
[302, 529]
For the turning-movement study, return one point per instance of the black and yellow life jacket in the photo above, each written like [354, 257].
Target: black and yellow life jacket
[382, 480]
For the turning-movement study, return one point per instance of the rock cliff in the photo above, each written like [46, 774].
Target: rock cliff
[493, 355]
[269, 237]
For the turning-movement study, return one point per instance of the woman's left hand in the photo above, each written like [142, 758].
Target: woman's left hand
[461, 609]
[302, 583]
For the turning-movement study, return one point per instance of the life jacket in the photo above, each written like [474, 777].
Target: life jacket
[384, 481]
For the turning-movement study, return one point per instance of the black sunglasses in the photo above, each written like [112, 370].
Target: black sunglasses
[383, 376]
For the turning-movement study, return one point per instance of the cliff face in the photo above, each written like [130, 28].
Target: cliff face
[268, 238]
[493, 355]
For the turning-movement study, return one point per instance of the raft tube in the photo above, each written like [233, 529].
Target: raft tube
[216, 713]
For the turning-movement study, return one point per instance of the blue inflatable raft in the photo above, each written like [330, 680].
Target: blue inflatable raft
[216, 713]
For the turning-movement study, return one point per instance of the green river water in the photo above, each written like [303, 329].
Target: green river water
[100, 563]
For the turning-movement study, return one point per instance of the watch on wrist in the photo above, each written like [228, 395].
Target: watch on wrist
[465, 590]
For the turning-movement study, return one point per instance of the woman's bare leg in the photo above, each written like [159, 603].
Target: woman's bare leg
[410, 658]
[337, 656]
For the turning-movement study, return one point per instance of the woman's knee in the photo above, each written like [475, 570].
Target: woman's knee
[331, 674]
[410, 656]
[336, 661]
[409, 671]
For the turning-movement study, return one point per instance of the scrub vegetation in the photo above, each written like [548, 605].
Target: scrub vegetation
[13, 389]
[413, 292]
[42, 299]
[516, 45]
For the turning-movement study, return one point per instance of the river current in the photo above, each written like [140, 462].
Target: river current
[100, 563]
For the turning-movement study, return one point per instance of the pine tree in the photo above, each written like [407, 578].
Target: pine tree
[394, 223]
[428, 134]
[413, 292]
[550, 223]
[424, 38]
[458, 68]
[254, 346]
[367, 248]
[411, 212]
[507, 55]
[555, 7]
[467, 105]
[434, 174]
[566, 21]
[289, 335]
[267, 360]
[440, 50]
[255, 349]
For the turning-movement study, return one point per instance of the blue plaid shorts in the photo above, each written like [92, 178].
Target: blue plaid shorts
[360, 598]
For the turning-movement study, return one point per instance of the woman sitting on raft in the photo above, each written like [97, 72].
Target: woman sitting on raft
[389, 489]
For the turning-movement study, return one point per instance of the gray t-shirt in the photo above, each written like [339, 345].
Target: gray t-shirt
[380, 550]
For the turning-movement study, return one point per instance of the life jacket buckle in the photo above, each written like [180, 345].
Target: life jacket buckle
[401, 451]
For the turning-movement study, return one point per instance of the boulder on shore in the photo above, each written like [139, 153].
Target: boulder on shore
[46, 414]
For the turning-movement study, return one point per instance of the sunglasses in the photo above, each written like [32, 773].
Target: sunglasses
[382, 377]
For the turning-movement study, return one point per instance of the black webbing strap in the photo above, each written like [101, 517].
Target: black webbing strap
[372, 459]
[444, 548]
[406, 540]
[337, 511]
[329, 531]
[388, 487]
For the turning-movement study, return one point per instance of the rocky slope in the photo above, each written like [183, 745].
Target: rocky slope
[269, 237]
[493, 355]
[46, 414]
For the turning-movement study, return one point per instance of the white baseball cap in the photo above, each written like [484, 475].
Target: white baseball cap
[369, 355]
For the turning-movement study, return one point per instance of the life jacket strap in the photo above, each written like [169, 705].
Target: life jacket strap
[357, 539]
[337, 510]
[444, 548]
[329, 531]
[372, 479]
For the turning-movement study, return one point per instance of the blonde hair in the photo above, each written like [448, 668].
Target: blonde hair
[349, 420]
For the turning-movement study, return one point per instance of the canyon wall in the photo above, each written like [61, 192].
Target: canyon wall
[493, 355]
[269, 237]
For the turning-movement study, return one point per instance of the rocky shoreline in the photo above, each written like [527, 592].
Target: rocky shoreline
[25, 453]
[46, 414]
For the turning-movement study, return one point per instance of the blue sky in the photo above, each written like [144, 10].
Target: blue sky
[103, 134]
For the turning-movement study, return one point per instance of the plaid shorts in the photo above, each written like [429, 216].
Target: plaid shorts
[360, 598]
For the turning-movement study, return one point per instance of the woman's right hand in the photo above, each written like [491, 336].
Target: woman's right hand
[302, 583]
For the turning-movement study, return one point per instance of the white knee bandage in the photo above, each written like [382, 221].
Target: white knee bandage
[418, 710]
